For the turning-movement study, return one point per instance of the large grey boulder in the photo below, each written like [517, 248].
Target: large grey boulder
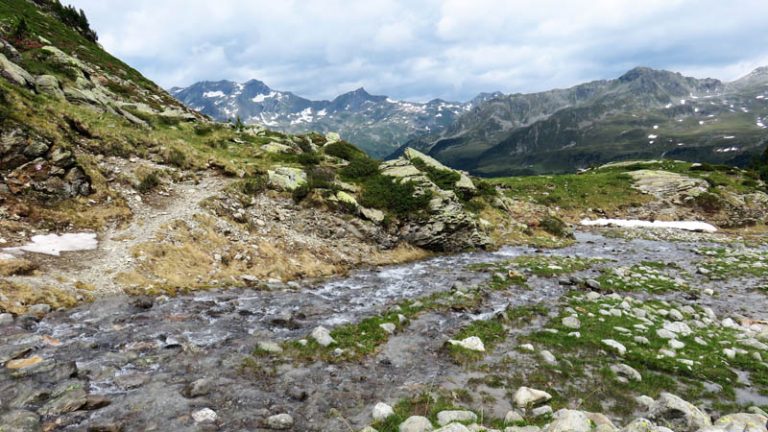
[741, 422]
[566, 420]
[15, 73]
[672, 411]
[416, 424]
[49, 85]
[287, 178]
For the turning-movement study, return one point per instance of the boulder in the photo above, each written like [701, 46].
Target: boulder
[14, 73]
[280, 422]
[526, 397]
[627, 372]
[566, 420]
[382, 411]
[49, 85]
[446, 417]
[472, 343]
[453, 427]
[742, 422]
[322, 336]
[287, 178]
[416, 424]
[677, 414]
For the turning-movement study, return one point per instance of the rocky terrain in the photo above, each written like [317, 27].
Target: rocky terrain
[162, 271]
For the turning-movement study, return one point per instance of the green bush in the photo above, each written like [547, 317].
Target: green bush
[384, 193]
[203, 129]
[343, 150]
[252, 185]
[555, 226]
[149, 182]
[444, 179]
[300, 193]
[360, 168]
[308, 159]
[321, 178]
[176, 158]
[709, 202]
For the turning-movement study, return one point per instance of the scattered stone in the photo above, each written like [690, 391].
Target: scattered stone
[526, 397]
[270, 347]
[453, 427]
[548, 358]
[527, 347]
[198, 388]
[388, 327]
[280, 421]
[593, 296]
[382, 411]
[416, 424]
[627, 372]
[513, 417]
[205, 415]
[472, 343]
[646, 401]
[322, 336]
[542, 411]
[742, 422]
[445, 417]
[593, 284]
[615, 345]
[39, 310]
[24, 363]
[571, 322]
[676, 344]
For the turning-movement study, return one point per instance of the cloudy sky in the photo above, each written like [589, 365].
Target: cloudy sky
[423, 49]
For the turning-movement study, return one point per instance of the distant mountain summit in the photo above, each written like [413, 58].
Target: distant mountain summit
[378, 124]
[643, 114]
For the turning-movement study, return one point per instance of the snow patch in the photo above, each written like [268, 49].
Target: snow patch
[634, 223]
[652, 136]
[213, 94]
[726, 150]
[54, 244]
[259, 98]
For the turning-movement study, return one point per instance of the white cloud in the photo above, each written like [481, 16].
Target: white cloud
[451, 49]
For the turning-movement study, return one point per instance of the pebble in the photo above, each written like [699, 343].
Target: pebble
[548, 358]
[542, 411]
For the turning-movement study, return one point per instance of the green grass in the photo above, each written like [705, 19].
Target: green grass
[491, 332]
[722, 263]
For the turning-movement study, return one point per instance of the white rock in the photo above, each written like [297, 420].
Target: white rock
[526, 347]
[525, 396]
[642, 340]
[571, 322]
[270, 347]
[566, 420]
[676, 344]
[382, 411]
[416, 424]
[322, 336]
[445, 417]
[280, 421]
[453, 427]
[676, 315]
[542, 411]
[205, 415]
[548, 357]
[678, 327]
[678, 414]
[730, 353]
[388, 327]
[626, 371]
[513, 417]
[472, 343]
[615, 345]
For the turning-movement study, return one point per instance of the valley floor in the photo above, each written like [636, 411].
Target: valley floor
[685, 313]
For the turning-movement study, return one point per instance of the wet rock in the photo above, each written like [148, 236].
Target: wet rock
[132, 380]
[205, 415]
[322, 336]
[95, 402]
[197, 388]
[105, 427]
[472, 343]
[143, 302]
[20, 421]
[526, 397]
[566, 420]
[416, 424]
[678, 414]
[446, 417]
[382, 411]
[280, 422]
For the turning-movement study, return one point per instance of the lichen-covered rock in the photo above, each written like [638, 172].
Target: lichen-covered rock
[49, 85]
[287, 178]
[742, 422]
[15, 73]
[566, 420]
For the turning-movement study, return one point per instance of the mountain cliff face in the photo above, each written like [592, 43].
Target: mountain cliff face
[378, 124]
[645, 113]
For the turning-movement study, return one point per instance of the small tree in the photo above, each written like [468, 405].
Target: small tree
[239, 125]
[22, 29]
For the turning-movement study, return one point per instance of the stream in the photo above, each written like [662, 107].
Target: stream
[133, 360]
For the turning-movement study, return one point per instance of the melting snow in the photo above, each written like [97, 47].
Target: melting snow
[652, 136]
[262, 97]
[726, 150]
[729, 137]
[623, 223]
[54, 244]
[304, 117]
[213, 94]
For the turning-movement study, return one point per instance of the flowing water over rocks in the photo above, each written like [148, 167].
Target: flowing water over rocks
[187, 363]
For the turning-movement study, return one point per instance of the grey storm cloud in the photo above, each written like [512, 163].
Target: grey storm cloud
[418, 50]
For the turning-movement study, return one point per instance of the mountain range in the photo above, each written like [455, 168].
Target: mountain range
[645, 113]
[378, 124]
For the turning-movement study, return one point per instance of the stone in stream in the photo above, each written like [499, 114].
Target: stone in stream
[20, 421]
[445, 417]
[525, 397]
[322, 336]
[472, 343]
[416, 424]
[680, 415]
[197, 388]
[6, 318]
[205, 415]
[280, 421]
[382, 411]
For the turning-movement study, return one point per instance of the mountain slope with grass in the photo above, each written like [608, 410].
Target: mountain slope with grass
[644, 114]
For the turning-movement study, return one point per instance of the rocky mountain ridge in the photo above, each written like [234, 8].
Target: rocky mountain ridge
[377, 124]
